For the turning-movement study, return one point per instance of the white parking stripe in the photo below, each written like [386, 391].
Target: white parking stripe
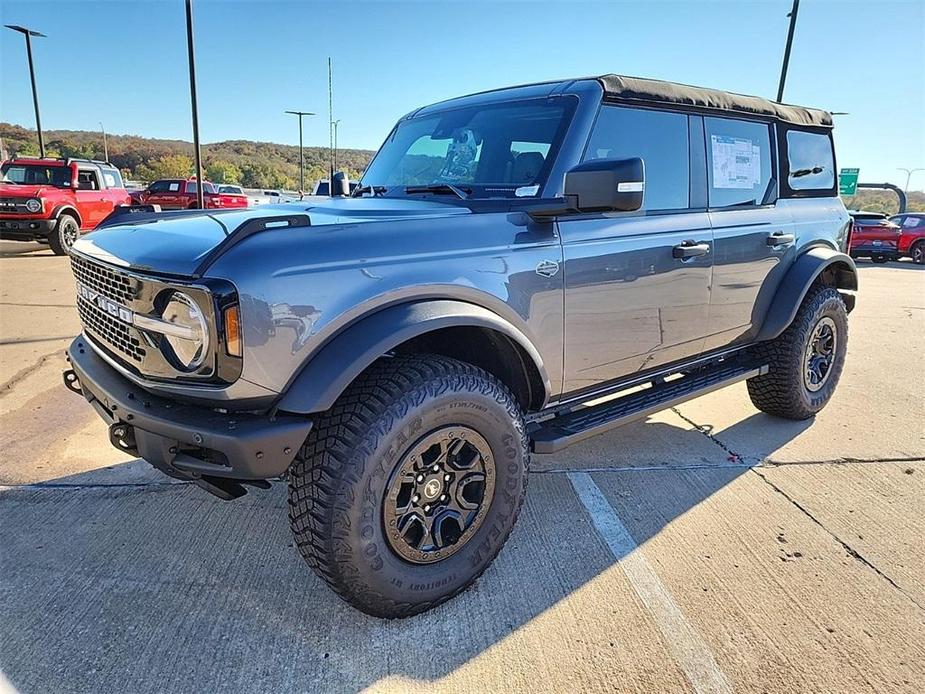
[687, 646]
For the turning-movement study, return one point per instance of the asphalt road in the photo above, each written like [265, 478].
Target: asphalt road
[709, 548]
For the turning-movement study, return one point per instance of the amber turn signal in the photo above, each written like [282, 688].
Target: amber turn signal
[233, 331]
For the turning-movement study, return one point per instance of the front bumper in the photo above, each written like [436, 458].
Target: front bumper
[25, 229]
[217, 450]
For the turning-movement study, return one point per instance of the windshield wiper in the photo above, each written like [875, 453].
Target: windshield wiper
[461, 193]
[360, 191]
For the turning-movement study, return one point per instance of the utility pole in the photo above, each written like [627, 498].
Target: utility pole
[909, 173]
[336, 123]
[301, 157]
[331, 126]
[28, 33]
[105, 146]
[195, 107]
[783, 69]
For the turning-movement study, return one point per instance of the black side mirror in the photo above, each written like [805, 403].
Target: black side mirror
[606, 185]
[340, 185]
[598, 185]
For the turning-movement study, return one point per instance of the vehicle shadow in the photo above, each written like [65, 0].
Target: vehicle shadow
[14, 249]
[122, 580]
[903, 264]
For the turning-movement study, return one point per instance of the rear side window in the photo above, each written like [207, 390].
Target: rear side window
[738, 161]
[660, 139]
[112, 177]
[811, 162]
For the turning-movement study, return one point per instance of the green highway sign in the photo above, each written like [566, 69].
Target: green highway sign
[848, 182]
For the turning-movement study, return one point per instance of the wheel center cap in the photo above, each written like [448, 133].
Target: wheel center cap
[432, 488]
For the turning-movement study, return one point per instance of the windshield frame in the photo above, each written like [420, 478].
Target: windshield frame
[480, 192]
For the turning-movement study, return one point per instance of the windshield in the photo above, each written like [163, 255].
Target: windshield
[490, 150]
[36, 174]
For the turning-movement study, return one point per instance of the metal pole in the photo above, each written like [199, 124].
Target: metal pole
[909, 173]
[331, 127]
[105, 146]
[783, 69]
[28, 33]
[336, 123]
[192, 91]
[301, 151]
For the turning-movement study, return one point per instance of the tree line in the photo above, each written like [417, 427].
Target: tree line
[247, 163]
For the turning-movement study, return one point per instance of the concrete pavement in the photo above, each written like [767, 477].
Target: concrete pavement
[709, 548]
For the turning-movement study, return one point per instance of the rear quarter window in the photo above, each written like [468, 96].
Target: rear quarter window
[811, 161]
[738, 161]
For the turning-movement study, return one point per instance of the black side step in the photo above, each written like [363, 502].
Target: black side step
[555, 434]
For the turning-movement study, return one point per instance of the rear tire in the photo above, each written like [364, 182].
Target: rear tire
[879, 259]
[66, 232]
[366, 483]
[805, 361]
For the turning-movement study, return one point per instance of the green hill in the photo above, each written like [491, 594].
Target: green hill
[251, 164]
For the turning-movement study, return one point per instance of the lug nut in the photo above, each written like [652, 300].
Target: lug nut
[416, 498]
[420, 478]
[426, 509]
[446, 477]
[443, 497]
[436, 468]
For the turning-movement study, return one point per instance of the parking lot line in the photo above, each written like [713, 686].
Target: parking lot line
[685, 643]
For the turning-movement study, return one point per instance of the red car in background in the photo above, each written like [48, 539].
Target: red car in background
[874, 236]
[54, 201]
[180, 194]
[911, 235]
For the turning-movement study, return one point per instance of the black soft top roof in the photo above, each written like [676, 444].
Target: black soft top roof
[637, 89]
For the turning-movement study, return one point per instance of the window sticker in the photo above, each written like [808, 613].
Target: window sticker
[736, 162]
[526, 191]
[909, 222]
[110, 180]
[174, 187]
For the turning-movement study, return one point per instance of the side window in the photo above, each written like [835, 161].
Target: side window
[87, 180]
[158, 187]
[660, 139]
[811, 162]
[738, 161]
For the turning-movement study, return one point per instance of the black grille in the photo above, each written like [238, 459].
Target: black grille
[16, 205]
[113, 332]
[103, 280]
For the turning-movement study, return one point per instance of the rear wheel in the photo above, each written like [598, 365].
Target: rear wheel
[405, 491]
[805, 361]
[879, 259]
[66, 232]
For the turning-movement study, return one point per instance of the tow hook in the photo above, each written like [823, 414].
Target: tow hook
[71, 382]
[122, 436]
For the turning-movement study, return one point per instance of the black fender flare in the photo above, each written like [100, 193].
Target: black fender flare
[796, 283]
[332, 368]
[69, 209]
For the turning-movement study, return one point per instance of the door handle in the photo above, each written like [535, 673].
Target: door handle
[779, 238]
[690, 249]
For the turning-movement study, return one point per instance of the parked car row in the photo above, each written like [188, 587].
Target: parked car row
[180, 194]
[882, 238]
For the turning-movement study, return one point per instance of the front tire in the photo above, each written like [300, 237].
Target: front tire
[66, 232]
[406, 490]
[805, 361]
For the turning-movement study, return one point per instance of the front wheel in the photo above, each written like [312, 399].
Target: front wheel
[805, 361]
[66, 232]
[918, 253]
[405, 491]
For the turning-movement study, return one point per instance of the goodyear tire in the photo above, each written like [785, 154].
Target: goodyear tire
[406, 490]
[66, 232]
[805, 361]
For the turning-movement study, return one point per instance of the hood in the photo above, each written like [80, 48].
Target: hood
[22, 190]
[176, 243]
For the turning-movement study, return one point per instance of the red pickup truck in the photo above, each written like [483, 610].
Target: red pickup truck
[180, 194]
[53, 201]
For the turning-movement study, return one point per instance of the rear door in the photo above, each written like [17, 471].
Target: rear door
[753, 236]
[92, 200]
[630, 303]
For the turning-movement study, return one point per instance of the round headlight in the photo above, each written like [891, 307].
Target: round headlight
[34, 205]
[190, 342]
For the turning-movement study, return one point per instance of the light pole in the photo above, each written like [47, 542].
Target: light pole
[336, 123]
[909, 173]
[105, 146]
[192, 92]
[28, 33]
[301, 157]
[783, 69]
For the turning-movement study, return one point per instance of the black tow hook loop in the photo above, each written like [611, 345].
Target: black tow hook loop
[72, 382]
[122, 436]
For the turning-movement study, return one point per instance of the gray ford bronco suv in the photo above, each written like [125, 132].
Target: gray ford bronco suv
[508, 260]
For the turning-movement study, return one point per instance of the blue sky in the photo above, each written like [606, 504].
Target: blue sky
[125, 63]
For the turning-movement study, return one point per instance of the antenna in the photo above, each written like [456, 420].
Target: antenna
[331, 126]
